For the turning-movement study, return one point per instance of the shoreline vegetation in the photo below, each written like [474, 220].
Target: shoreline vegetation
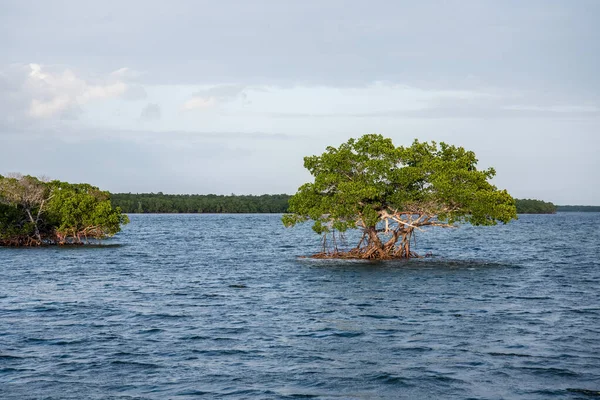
[159, 203]
[36, 212]
[532, 206]
[578, 208]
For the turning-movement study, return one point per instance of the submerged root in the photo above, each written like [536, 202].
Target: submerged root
[359, 254]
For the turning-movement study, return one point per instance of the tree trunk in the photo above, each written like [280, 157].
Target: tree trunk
[390, 244]
[404, 248]
[375, 246]
[35, 226]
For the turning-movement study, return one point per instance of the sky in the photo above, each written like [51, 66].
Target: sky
[229, 96]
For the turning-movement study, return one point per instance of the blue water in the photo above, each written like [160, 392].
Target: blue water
[220, 306]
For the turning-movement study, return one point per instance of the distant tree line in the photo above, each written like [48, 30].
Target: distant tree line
[578, 208]
[531, 206]
[211, 203]
[35, 212]
[152, 203]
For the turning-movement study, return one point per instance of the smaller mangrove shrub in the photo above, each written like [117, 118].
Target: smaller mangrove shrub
[34, 212]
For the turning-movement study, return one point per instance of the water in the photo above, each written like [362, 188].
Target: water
[220, 306]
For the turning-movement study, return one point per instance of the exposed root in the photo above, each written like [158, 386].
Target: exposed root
[56, 239]
[356, 254]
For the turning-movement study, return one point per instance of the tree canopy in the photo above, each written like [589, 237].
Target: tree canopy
[532, 206]
[194, 203]
[34, 212]
[389, 192]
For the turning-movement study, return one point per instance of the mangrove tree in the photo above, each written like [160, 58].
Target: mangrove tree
[389, 192]
[34, 212]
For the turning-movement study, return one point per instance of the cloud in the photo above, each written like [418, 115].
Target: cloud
[126, 74]
[38, 92]
[215, 95]
[222, 93]
[55, 93]
[150, 113]
[134, 92]
[198, 103]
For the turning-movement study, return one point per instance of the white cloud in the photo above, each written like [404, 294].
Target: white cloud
[55, 93]
[209, 97]
[198, 103]
[37, 92]
[44, 109]
[126, 74]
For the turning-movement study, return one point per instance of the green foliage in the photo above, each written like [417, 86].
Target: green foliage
[13, 222]
[368, 180]
[180, 203]
[84, 210]
[33, 212]
[530, 206]
[363, 177]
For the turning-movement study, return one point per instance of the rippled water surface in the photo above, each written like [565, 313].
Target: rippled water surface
[220, 306]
